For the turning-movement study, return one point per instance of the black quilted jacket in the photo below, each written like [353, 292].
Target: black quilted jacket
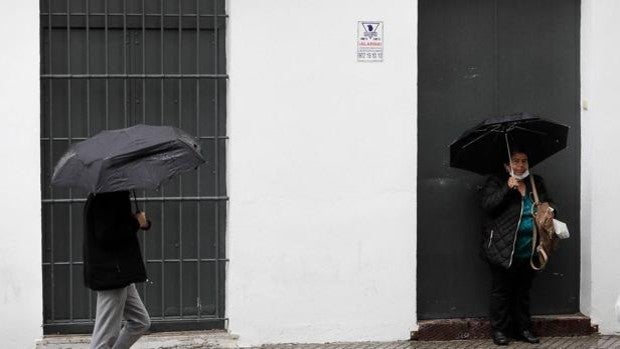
[502, 213]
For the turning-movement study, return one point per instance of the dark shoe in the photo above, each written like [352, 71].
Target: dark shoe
[499, 338]
[529, 337]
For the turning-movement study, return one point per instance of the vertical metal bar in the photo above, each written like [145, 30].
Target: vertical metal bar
[198, 301]
[496, 58]
[87, 68]
[107, 81]
[161, 101]
[51, 162]
[69, 143]
[180, 103]
[143, 63]
[126, 42]
[217, 164]
[90, 299]
[144, 122]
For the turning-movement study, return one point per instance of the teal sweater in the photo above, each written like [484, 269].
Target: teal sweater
[523, 248]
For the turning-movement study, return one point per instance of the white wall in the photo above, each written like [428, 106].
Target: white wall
[600, 236]
[322, 172]
[21, 295]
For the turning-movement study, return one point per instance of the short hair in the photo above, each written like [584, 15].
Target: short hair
[516, 149]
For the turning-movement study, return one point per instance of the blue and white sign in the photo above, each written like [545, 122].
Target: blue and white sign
[370, 41]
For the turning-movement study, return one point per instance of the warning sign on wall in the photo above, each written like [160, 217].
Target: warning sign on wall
[370, 41]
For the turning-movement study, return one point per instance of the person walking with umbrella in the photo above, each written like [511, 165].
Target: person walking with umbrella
[505, 147]
[109, 165]
[112, 265]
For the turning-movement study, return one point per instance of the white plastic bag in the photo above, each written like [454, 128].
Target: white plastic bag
[561, 230]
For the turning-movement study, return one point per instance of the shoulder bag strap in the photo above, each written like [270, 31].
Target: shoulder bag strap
[536, 201]
[543, 258]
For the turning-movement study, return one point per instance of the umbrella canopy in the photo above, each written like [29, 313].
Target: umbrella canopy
[484, 148]
[137, 157]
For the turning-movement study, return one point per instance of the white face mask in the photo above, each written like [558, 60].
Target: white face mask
[521, 176]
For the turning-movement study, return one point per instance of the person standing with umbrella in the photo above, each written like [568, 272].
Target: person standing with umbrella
[517, 141]
[109, 165]
[508, 204]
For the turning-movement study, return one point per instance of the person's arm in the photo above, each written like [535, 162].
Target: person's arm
[542, 190]
[494, 194]
[544, 194]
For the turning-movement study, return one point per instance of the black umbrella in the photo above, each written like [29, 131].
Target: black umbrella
[138, 157]
[484, 148]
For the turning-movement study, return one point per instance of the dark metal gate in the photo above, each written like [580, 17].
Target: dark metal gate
[478, 59]
[114, 63]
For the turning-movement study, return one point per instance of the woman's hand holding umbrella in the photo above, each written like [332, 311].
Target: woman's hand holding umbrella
[514, 183]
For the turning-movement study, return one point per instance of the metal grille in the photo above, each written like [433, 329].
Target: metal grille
[109, 64]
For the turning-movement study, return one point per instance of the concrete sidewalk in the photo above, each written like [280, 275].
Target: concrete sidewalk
[590, 342]
[223, 340]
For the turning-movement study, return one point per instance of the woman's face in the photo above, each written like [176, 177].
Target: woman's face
[518, 164]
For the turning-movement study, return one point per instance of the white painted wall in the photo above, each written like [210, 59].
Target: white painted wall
[322, 172]
[600, 238]
[21, 293]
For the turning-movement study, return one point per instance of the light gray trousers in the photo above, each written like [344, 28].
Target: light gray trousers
[112, 307]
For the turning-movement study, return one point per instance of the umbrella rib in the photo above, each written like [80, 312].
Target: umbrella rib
[486, 133]
[530, 130]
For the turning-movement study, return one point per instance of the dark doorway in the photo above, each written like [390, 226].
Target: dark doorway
[478, 59]
[113, 64]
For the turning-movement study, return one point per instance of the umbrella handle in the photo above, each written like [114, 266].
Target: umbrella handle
[508, 149]
[135, 200]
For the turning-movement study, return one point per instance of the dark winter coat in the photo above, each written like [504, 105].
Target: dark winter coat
[112, 257]
[502, 214]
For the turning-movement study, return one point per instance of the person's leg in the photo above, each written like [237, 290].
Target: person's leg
[499, 313]
[514, 300]
[524, 275]
[137, 320]
[110, 304]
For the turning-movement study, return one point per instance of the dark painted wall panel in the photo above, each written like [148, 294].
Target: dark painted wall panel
[478, 59]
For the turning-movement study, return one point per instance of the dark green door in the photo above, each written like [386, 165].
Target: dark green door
[477, 59]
